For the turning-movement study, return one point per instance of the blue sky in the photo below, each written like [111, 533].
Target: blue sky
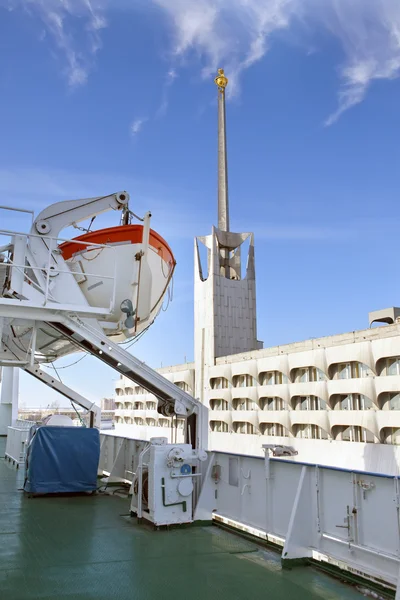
[100, 96]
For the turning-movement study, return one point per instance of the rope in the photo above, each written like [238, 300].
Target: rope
[170, 295]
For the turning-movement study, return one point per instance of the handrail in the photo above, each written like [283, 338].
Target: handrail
[50, 269]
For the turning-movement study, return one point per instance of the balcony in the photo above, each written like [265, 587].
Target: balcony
[387, 418]
[249, 416]
[281, 390]
[275, 416]
[310, 417]
[388, 383]
[244, 392]
[362, 385]
[221, 415]
[223, 394]
[309, 388]
[361, 418]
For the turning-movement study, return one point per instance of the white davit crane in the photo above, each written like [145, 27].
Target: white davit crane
[89, 293]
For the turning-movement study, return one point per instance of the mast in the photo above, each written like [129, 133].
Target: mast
[223, 206]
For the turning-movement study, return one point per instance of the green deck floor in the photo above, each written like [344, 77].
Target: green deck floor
[88, 548]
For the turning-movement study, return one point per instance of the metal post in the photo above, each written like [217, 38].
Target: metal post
[223, 208]
[223, 205]
[8, 398]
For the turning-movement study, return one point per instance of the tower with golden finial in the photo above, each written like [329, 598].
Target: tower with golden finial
[225, 317]
[221, 81]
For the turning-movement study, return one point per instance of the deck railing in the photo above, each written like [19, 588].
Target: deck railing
[346, 518]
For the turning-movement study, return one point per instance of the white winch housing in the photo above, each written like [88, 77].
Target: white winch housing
[164, 486]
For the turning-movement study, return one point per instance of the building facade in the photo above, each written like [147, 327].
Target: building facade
[340, 388]
[319, 396]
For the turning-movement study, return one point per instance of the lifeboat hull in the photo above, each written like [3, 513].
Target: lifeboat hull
[122, 268]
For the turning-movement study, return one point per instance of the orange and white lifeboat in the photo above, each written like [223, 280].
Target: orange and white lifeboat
[127, 268]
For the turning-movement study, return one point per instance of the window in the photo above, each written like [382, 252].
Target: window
[350, 370]
[118, 405]
[164, 423]
[219, 383]
[272, 403]
[151, 405]
[181, 423]
[308, 403]
[307, 374]
[243, 427]
[351, 402]
[274, 429]
[138, 421]
[243, 381]
[129, 391]
[151, 422]
[244, 404]
[352, 433]
[390, 435]
[138, 406]
[219, 426]
[182, 385]
[138, 390]
[309, 432]
[219, 404]
[272, 378]
[389, 401]
[392, 366]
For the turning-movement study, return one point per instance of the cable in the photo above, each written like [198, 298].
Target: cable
[71, 364]
[170, 296]
[57, 373]
[83, 424]
[137, 338]
[84, 228]
[124, 489]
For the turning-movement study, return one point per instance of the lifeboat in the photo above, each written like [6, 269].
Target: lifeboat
[127, 268]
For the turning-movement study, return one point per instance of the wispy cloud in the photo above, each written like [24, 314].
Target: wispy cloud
[169, 80]
[369, 31]
[74, 26]
[237, 33]
[137, 125]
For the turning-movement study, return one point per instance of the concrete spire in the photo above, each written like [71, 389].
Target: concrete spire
[223, 204]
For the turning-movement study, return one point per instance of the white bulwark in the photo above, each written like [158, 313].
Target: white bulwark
[336, 399]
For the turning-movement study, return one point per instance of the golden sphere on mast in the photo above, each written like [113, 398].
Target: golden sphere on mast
[221, 81]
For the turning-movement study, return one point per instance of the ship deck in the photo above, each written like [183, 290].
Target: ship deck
[87, 547]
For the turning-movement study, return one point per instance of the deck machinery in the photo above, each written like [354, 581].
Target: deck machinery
[90, 293]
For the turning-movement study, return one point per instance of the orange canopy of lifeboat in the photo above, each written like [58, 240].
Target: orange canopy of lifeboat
[130, 234]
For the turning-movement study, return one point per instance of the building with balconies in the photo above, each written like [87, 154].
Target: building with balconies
[335, 399]
[342, 388]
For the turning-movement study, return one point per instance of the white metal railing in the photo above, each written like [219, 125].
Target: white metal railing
[347, 518]
[49, 270]
[17, 438]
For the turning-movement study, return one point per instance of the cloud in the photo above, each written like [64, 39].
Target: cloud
[236, 34]
[74, 26]
[232, 33]
[169, 80]
[137, 125]
[369, 32]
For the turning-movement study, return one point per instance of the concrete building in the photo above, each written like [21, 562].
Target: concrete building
[107, 404]
[313, 395]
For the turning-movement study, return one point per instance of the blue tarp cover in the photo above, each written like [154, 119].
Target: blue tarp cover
[62, 459]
